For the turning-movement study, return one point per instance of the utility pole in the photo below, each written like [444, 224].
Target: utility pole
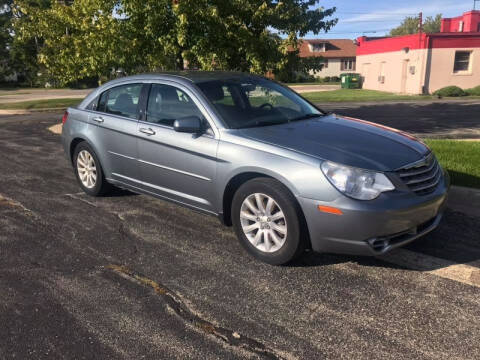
[420, 22]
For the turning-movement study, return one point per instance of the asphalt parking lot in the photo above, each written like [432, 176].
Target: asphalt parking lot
[443, 118]
[131, 277]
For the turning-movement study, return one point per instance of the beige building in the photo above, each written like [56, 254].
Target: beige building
[423, 63]
[339, 55]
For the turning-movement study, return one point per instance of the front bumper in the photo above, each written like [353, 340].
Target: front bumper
[374, 227]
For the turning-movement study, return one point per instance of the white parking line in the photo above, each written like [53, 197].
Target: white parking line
[468, 273]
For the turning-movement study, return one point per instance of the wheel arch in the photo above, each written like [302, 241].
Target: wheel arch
[237, 180]
[240, 178]
[73, 145]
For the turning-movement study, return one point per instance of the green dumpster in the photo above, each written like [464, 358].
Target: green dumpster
[350, 81]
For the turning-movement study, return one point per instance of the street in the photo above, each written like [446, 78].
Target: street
[128, 276]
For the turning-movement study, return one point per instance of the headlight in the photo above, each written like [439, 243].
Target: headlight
[356, 183]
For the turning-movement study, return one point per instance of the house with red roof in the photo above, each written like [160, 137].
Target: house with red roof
[422, 63]
[339, 55]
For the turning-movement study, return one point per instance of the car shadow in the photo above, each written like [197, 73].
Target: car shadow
[118, 192]
[455, 241]
[467, 180]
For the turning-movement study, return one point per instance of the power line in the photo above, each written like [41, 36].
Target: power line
[358, 32]
[375, 13]
[366, 21]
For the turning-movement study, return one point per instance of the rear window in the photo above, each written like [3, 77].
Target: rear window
[121, 100]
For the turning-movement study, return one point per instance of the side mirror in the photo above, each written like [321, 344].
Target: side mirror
[190, 124]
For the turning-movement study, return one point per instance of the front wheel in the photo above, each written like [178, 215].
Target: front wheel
[266, 219]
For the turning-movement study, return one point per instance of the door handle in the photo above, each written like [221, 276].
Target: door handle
[147, 131]
[98, 119]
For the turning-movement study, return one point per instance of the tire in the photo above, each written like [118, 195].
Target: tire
[289, 229]
[83, 154]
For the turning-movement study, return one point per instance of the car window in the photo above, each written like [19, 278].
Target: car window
[102, 101]
[167, 104]
[260, 96]
[252, 101]
[93, 104]
[121, 100]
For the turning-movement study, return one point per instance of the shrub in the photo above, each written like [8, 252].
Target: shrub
[474, 91]
[450, 91]
[326, 79]
[335, 79]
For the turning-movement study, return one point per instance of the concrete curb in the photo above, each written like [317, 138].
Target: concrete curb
[465, 200]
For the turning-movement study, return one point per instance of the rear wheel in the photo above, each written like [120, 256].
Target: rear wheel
[266, 219]
[88, 171]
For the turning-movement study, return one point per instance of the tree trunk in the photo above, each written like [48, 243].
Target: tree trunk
[179, 61]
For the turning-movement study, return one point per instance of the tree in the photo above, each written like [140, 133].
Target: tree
[410, 25]
[92, 37]
[219, 34]
[432, 24]
[76, 39]
[23, 50]
[5, 38]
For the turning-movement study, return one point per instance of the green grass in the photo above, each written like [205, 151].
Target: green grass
[313, 83]
[353, 95]
[41, 104]
[460, 158]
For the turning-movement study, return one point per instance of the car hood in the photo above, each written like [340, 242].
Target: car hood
[344, 140]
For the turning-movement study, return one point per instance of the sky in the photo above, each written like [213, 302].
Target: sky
[377, 17]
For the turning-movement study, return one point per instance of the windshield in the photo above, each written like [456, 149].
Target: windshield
[250, 102]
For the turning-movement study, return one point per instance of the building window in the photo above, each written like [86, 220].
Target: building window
[462, 61]
[320, 47]
[347, 64]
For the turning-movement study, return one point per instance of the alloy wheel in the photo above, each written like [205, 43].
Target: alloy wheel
[263, 222]
[87, 170]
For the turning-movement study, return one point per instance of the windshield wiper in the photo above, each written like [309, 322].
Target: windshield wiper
[260, 123]
[306, 117]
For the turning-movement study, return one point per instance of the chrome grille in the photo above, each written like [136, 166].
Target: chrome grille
[423, 176]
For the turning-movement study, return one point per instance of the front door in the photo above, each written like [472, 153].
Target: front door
[178, 166]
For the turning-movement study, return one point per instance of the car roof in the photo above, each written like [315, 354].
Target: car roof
[192, 76]
[184, 77]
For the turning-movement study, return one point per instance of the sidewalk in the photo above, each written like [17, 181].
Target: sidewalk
[12, 96]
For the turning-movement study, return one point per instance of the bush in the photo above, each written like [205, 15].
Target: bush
[326, 79]
[335, 79]
[473, 91]
[450, 91]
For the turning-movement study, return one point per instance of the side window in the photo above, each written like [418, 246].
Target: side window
[121, 100]
[102, 102]
[93, 104]
[167, 104]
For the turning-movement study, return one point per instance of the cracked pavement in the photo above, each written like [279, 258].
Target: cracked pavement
[82, 278]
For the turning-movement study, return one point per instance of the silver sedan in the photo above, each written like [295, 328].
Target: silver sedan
[250, 151]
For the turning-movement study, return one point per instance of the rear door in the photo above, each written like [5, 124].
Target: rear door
[115, 126]
[178, 166]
